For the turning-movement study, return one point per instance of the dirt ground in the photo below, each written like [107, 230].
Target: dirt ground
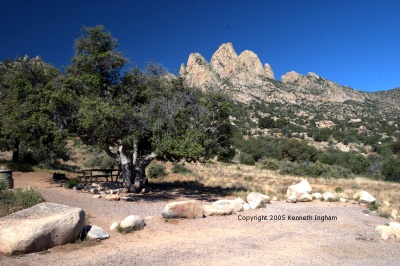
[228, 240]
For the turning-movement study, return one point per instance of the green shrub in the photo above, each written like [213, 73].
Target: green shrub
[178, 168]
[338, 190]
[71, 183]
[18, 199]
[295, 150]
[268, 163]
[357, 163]
[314, 170]
[391, 169]
[155, 170]
[3, 185]
[246, 159]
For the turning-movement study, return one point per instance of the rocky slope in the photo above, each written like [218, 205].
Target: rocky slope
[246, 80]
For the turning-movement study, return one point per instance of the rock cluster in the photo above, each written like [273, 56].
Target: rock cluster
[194, 209]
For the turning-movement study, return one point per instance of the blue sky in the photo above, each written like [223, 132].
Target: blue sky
[355, 43]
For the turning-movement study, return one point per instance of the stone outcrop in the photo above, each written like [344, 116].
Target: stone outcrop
[246, 79]
[183, 209]
[40, 227]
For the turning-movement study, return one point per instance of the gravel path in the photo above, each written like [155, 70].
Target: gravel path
[229, 240]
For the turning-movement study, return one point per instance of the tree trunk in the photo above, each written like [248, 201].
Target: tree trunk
[132, 175]
[140, 173]
[15, 154]
[125, 168]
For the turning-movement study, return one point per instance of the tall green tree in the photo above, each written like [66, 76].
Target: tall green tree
[26, 118]
[140, 116]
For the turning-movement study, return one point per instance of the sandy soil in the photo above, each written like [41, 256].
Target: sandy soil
[349, 240]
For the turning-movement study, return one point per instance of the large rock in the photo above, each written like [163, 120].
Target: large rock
[40, 227]
[183, 209]
[364, 197]
[132, 222]
[257, 200]
[217, 210]
[301, 191]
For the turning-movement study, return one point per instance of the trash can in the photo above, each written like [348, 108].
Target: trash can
[6, 176]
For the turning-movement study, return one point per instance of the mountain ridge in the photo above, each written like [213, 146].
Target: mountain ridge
[246, 80]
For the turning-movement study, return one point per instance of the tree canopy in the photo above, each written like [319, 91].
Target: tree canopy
[140, 115]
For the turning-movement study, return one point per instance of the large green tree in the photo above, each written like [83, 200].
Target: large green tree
[140, 116]
[26, 117]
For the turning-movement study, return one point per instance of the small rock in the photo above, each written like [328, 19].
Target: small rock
[97, 196]
[291, 199]
[79, 186]
[145, 190]
[246, 207]
[364, 197]
[96, 232]
[275, 199]
[328, 196]
[387, 204]
[132, 222]
[305, 197]
[112, 197]
[113, 191]
[343, 200]
[317, 195]
[257, 200]
[114, 226]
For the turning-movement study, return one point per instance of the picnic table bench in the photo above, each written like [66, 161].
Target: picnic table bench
[96, 173]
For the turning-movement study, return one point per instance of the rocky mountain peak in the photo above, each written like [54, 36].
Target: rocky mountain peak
[291, 77]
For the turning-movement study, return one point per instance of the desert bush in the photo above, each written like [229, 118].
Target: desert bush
[180, 169]
[246, 159]
[19, 199]
[356, 163]
[155, 170]
[314, 170]
[295, 150]
[71, 183]
[395, 147]
[391, 169]
[259, 147]
[268, 163]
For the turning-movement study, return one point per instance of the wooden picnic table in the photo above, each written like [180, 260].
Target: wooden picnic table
[95, 173]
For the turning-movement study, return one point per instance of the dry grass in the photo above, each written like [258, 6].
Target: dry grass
[241, 179]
